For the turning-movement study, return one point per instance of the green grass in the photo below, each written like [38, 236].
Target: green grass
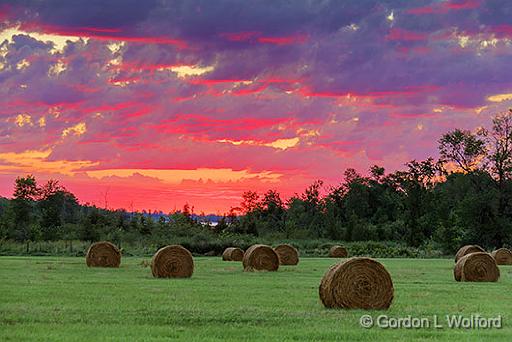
[59, 298]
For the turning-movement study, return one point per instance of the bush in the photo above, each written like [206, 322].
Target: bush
[211, 244]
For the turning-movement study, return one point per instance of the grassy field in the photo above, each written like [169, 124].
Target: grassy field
[59, 298]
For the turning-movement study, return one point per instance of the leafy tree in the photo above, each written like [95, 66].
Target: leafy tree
[58, 207]
[334, 213]
[24, 216]
[26, 189]
[415, 186]
[272, 212]
[305, 213]
[500, 158]
[250, 202]
[464, 148]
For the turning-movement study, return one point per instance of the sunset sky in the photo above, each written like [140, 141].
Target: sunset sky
[152, 104]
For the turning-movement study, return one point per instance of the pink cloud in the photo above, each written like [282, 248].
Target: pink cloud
[240, 36]
[349, 99]
[405, 35]
[287, 40]
[255, 36]
[102, 34]
[215, 81]
[4, 12]
[412, 115]
[445, 7]
[502, 30]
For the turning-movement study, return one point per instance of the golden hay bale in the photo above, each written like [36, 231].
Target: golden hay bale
[479, 266]
[233, 254]
[288, 255]
[357, 283]
[172, 262]
[260, 258]
[103, 254]
[467, 250]
[325, 285]
[503, 256]
[338, 252]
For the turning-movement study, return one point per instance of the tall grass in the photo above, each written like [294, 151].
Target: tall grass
[199, 246]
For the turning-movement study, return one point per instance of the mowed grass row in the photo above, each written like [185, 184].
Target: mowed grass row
[59, 298]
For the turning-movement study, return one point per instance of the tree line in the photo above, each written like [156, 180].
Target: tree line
[462, 197]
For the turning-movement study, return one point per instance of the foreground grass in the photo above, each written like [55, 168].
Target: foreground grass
[59, 298]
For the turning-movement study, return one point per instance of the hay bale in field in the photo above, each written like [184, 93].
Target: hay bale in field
[325, 286]
[260, 258]
[503, 256]
[233, 254]
[479, 266]
[357, 283]
[467, 250]
[103, 254]
[172, 262]
[338, 252]
[288, 255]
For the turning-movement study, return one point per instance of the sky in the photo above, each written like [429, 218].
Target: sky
[154, 104]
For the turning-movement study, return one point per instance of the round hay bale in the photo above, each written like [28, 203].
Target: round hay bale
[288, 255]
[233, 254]
[357, 283]
[479, 266]
[338, 252]
[503, 256]
[467, 250]
[260, 258]
[226, 255]
[325, 285]
[103, 254]
[172, 262]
